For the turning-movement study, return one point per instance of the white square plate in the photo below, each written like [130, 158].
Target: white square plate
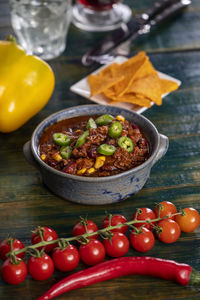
[82, 88]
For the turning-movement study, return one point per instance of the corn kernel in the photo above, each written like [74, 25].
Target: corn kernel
[100, 160]
[57, 157]
[43, 156]
[120, 118]
[81, 171]
[91, 170]
[77, 131]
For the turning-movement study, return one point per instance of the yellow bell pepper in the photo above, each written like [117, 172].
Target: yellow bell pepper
[26, 85]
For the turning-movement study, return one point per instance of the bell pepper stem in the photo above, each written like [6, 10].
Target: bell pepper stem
[11, 38]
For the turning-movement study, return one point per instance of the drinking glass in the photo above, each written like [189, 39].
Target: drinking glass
[41, 26]
[100, 15]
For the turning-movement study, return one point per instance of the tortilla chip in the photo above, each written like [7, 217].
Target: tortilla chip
[133, 98]
[109, 71]
[136, 72]
[129, 70]
[168, 86]
[109, 93]
[149, 87]
[100, 83]
[134, 81]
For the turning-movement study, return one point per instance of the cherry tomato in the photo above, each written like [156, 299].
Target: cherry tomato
[117, 246]
[146, 214]
[167, 208]
[190, 221]
[14, 273]
[116, 220]
[66, 259]
[92, 253]
[170, 231]
[5, 247]
[143, 241]
[48, 235]
[79, 228]
[40, 268]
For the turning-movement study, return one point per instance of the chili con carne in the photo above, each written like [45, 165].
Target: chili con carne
[80, 142]
[156, 267]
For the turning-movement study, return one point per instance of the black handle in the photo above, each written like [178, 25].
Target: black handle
[169, 11]
[159, 7]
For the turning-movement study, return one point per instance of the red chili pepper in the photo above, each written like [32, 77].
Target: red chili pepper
[157, 267]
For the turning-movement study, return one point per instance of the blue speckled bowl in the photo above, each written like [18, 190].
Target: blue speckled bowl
[99, 190]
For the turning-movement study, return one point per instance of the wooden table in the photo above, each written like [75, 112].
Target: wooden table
[174, 48]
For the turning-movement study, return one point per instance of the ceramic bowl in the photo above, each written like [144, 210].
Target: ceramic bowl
[96, 190]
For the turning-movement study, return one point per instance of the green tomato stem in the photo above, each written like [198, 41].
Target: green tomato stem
[85, 236]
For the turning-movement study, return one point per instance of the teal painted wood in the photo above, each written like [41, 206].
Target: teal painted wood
[25, 202]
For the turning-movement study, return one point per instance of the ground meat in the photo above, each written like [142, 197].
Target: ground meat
[46, 148]
[139, 151]
[109, 164]
[132, 131]
[126, 125]
[111, 141]
[84, 163]
[124, 132]
[135, 137]
[138, 156]
[97, 136]
[81, 151]
[142, 143]
[104, 173]
[123, 159]
[62, 164]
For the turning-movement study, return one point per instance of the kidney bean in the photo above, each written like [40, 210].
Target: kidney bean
[70, 168]
[134, 126]
[92, 153]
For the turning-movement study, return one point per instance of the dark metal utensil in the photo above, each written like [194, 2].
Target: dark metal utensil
[137, 26]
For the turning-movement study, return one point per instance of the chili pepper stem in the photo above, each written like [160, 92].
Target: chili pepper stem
[194, 277]
[86, 235]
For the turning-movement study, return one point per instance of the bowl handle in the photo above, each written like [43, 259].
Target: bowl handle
[164, 144]
[28, 154]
